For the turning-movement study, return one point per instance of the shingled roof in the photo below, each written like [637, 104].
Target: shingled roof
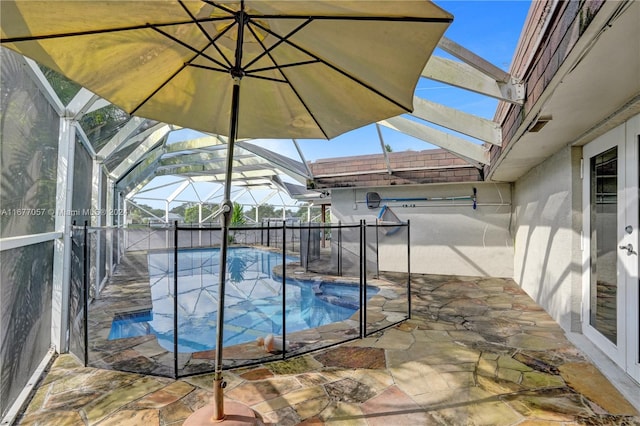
[393, 168]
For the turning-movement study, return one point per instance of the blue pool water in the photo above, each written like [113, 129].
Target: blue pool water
[253, 300]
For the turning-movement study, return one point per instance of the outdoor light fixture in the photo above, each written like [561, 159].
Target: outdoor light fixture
[539, 123]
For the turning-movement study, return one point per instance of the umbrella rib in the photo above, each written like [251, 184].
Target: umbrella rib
[293, 64]
[285, 39]
[212, 41]
[286, 80]
[196, 51]
[221, 7]
[253, 73]
[186, 64]
[207, 67]
[355, 18]
[133, 111]
[281, 39]
[102, 31]
[344, 73]
[311, 114]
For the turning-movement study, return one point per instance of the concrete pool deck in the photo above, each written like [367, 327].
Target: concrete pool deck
[476, 351]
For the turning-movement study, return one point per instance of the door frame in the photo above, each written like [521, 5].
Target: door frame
[626, 353]
[632, 262]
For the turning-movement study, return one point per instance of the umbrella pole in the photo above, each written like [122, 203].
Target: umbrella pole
[236, 74]
[237, 414]
[214, 413]
[227, 208]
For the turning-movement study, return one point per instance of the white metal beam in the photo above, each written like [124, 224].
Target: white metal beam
[84, 140]
[62, 247]
[213, 193]
[239, 194]
[286, 168]
[11, 243]
[384, 148]
[195, 190]
[476, 153]
[111, 195]
[43, 84]
[81, 102]
[128, 163]
[156, 187]
[304, 161]
[96, 217]
[141, 171]
[207, 141]
[132, 193]
[99, 103]
[267, 198]
[466, 77]
[208, 158]
[142, 208]
[214, 169]
[454, 119]
[158, 127]
[468, 57]
[178, 190]
[123, 136]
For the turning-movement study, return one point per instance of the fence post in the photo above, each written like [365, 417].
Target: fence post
[363, 304]
[306, 259]
[175, 299]
[377, 250]
[340, 248]
[363, 273]
[284, 290]
[409, 268]
[85, 285]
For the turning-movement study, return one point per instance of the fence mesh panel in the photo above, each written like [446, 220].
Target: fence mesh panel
[156, 313]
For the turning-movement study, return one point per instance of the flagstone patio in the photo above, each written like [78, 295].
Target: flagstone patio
[476, 351]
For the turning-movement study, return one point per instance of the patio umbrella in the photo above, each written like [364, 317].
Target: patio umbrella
[308, 69]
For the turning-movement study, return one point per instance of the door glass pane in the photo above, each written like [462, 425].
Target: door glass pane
[604, 217]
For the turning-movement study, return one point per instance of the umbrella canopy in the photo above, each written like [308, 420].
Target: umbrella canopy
[309, 69]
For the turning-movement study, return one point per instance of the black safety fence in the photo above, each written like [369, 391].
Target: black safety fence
[307, 286]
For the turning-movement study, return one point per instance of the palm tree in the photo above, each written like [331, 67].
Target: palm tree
[237, 219]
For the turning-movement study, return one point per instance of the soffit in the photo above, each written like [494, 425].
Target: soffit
[599, 93]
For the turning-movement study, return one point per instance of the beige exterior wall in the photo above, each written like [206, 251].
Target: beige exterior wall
[447, 237]
[546, 226]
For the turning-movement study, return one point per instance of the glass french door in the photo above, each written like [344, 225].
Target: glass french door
[611, 295]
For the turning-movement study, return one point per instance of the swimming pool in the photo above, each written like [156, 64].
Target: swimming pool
[253, 300]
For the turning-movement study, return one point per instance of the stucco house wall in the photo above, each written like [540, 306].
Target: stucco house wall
[448, 237]
[546, 228]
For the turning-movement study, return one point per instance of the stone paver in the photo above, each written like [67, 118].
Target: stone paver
[585, 378]
[394, 407]
[475, 351]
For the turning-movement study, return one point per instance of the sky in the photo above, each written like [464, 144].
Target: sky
[490, 29]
